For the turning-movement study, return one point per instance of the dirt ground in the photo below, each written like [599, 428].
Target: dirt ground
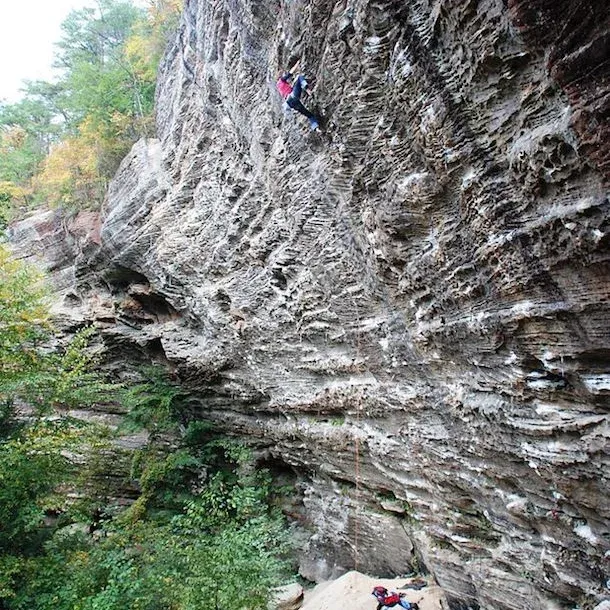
[353, 592]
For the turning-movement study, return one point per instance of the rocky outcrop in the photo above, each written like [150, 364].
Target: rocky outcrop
[406, 314]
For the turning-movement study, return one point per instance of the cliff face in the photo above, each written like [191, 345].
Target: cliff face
[407, 314]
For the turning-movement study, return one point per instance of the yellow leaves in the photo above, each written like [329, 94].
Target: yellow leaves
[106, 139]
[120, 122]
[144, 48]
[12, 138]
[89, 131]
[141, 53]
[11, 192]
[81, 558]
[94, 135]
[164, 10]
[70, 175]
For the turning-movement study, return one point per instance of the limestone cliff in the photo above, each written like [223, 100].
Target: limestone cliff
[407, 314]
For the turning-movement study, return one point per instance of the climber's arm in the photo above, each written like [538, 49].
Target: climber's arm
[294, 68]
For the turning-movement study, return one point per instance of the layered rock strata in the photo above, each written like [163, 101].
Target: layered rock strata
[407, 314]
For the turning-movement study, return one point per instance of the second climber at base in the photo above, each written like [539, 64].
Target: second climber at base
[291, 90]
[386, 599]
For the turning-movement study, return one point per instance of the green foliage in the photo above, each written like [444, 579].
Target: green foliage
[19, 155]
[109, 77]
[24, 480]
[32, 460]
[32, 463]
[73, 381]
[23, 328]
[28, 371]
[76, 130]
[92, 58]
[201, 534]
[219, 548]
[91, 35]
[34, 115]
[199, 433]
[165, 481]
[154, 403]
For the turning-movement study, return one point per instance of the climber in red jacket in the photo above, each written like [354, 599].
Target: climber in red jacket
[291, 92]
[389, 600]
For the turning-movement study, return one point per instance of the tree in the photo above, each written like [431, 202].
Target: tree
[96, 72]
[24, 326]
[32, 458]
[86, 121]
[35, 114]
[24, 138]
[69, 175]
[18, 155]
[96, 35]
[221, 547]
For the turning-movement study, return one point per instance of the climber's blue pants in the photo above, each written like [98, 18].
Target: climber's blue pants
[294, 99]
[297, 88]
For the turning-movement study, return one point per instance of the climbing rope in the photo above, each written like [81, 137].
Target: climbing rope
[357, 445]
[357, 471]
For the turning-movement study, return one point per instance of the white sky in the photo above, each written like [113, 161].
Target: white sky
[28, 30]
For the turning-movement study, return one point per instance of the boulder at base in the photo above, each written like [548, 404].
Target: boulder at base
[289, 597]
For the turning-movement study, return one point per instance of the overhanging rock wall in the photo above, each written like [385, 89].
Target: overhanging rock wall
[408, 313]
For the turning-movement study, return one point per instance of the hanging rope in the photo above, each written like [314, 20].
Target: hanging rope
[357, 470]
[357, 447]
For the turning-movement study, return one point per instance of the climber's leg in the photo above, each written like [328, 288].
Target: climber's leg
[297, 88]
[295, 104]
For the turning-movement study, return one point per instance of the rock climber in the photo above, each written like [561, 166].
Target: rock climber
[291, 90]
[389, 599]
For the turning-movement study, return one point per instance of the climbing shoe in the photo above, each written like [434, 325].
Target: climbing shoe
[313, 124]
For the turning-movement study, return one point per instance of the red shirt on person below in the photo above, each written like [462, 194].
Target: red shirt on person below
[283, 87]
[391, 600]
[386, 599]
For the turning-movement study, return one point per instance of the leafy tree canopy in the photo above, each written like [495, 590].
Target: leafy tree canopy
[101, 103]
